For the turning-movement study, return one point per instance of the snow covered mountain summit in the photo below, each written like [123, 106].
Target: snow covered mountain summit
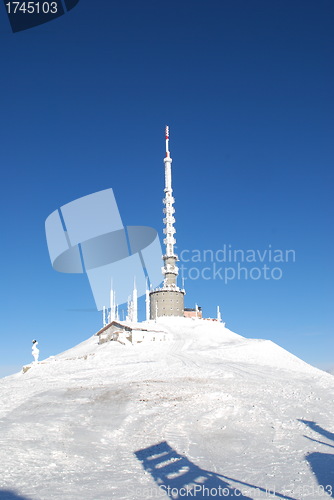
[205, 414]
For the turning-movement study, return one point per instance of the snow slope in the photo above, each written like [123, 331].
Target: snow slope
[208, 409]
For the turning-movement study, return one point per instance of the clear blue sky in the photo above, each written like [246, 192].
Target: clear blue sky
[247, 89]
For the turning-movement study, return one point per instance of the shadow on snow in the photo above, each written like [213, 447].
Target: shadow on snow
[320, 430]
[175, 475]
[322, 464]
[11, 495]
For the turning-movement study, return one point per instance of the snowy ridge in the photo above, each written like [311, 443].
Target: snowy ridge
[240, 413]
[197, 336]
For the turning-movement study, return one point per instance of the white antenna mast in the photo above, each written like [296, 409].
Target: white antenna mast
[147, 301]
[169, 202]
[112, 303]
[170, 270]
[135, 302]
[104, 316]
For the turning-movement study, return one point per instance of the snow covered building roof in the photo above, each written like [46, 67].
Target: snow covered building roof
[125, 333]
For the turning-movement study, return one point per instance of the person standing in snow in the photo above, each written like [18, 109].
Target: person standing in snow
[35, 350]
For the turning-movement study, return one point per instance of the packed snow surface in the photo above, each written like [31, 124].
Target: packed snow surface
[205, 414]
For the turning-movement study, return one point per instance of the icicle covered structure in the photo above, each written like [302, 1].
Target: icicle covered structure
[169, 299]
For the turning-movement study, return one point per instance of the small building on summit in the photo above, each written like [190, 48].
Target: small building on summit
[129, 334]
[195, 312]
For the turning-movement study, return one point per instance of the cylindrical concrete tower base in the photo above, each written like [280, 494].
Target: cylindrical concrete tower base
[166, 303]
